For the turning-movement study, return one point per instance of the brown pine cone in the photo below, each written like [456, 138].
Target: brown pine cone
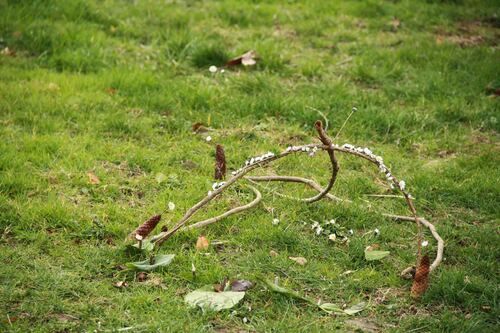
[421, 280]
[220, 163]
[145, 229]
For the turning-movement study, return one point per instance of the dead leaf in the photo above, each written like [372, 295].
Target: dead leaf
[64, 317]
[93, 178]
[220, 287]
[273, 253]
[241, 285]
[199, 128]
[395, 24]
[120, 284]
[364, 325]
[246, 59]
[299, 260]
[189, 165]
[141, 276]
[372, 247]
[8, 52]
[111, 91]
[202, 243]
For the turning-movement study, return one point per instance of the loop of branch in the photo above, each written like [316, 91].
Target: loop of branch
[258, 197]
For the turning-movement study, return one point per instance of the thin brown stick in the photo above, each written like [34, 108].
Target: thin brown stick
[331, 153]
[385, 196]
[432, 228]
[292, 179]
[258, 197]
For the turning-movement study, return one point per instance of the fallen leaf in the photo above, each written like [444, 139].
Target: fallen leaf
[287, 292]
[363, 325]
[93, 178]
[8, 52]
[299, 260]
[220, 287]
[111, 91]
[160, 177]
[149, 265]
[207, 299]
[120, 284]
[273, 253]
[355, 308]
[375, 255]
[141, 276]
[202, 243]
[395, 23]
[199, 128]
[64, 317]
[246, 59]
[241, 285]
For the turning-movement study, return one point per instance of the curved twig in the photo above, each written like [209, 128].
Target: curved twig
[335, 165]
[258, 197]
[292, 179]
[432, 228]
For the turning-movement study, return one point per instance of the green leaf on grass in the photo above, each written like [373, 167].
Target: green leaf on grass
[146, 246]
[274, 287]
[207, 299]
[355, 308]
[148, 265]
[375, 255]
[330, 308]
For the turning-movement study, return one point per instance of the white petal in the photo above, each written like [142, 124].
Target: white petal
[209, 138]
[171, 206]
[212, 69]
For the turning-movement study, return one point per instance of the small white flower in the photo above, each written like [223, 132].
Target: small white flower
[252, 160]
[425, 243]
[354, 109]
[222, 70]
[376, 232]
[319, 229]
[171, 206]
[391, 186]
[314, 225]
[332, 237]
[402, 185]
[234, 172]
[214, 186]
[212, 69]
[209, 138]
[276, 221]
[351, 232]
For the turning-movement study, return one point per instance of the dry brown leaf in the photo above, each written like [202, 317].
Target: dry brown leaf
[199, 128]
[246, 59]
[241, 285]
[299, 260]
[64, 317]
[93, 178]
[111, 91]
[395, 24]
[421, 281]
[202, 243]
[120, 284]
[141, 276]
[8, 52]
[273, 253]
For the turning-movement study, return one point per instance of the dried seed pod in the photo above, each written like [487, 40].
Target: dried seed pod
[220, 163]
[145, 229]
[421, 280]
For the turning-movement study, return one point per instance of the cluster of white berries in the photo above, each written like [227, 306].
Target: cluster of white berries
[380, 162]
[254, 160]
[305, 149]
[216, 186]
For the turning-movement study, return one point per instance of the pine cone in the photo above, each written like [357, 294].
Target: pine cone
[220, 163]
[421, 281]
[145, 229]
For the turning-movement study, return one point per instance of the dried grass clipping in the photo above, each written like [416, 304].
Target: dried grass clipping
[421, 281]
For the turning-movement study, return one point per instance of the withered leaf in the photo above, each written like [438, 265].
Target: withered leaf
[299, 260]
[120, 284]
[141, 276]
[246, 59]
[241, 285]
[93, 179]
[202, 243]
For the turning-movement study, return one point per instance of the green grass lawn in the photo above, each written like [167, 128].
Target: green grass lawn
[114, 87]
